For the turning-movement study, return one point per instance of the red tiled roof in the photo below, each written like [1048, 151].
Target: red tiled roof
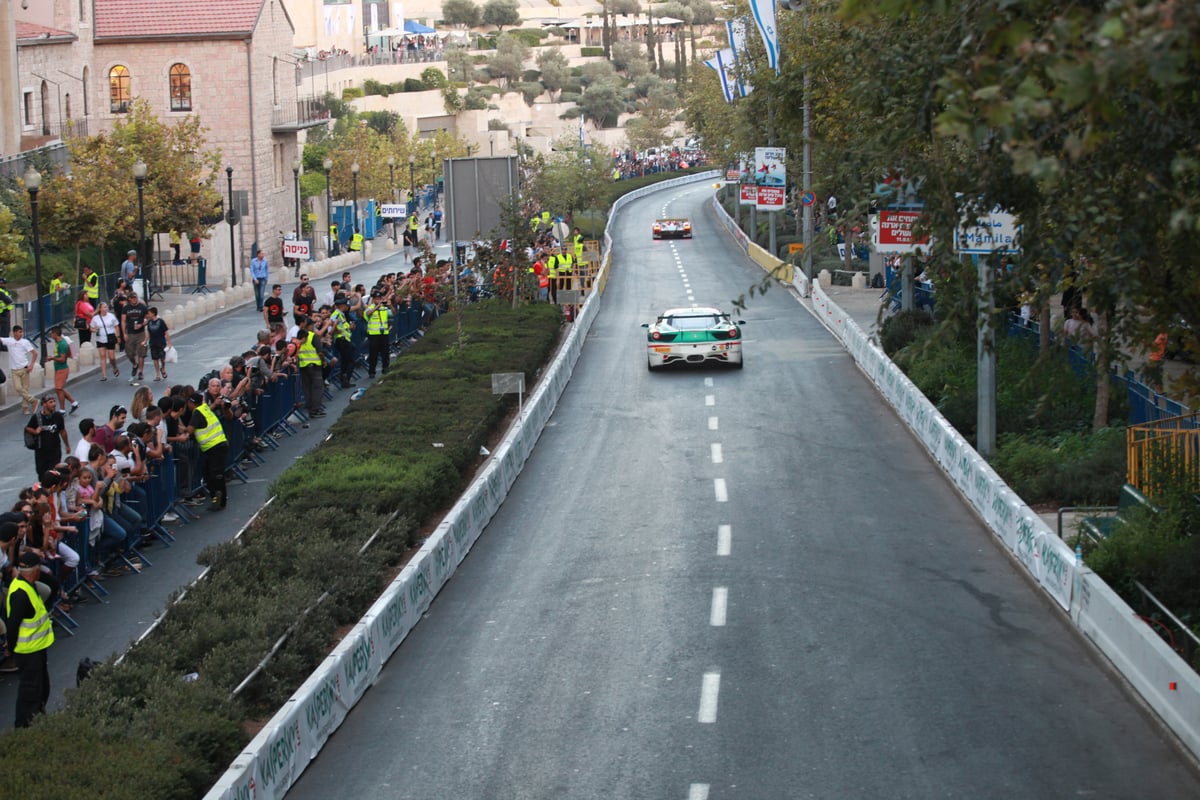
[27, 30]
[142, 19]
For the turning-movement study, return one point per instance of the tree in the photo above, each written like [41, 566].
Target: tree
[603, 102]
[555, 69]
[509, 60]
[571, 180]
[11, 250]
[463, 13]
[97, 203]
[459, 67]
[501, 13]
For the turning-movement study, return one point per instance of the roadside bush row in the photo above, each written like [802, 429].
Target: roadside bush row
[140, 729]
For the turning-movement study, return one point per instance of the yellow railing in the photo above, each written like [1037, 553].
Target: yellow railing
[1166, 449]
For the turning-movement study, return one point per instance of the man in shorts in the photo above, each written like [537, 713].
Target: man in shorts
[134, 320]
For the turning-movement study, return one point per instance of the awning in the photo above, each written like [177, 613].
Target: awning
[412, 26]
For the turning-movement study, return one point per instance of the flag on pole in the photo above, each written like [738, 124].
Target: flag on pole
[735, 29]
[723, 63]
[764, 20]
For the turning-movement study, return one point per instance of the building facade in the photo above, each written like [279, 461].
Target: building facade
[82, 63]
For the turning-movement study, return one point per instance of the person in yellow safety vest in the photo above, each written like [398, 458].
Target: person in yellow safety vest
[356, 242]
[379, 330]
[578, 240]
[312, 370]
[552, 276]
[6, 307]
[341, 338]
[334, 244]
[547, 223]
[91, 284]
[57, 284]
[30, 635]
[210, 436]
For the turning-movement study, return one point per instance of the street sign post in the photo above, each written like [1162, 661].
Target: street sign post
[296, 248]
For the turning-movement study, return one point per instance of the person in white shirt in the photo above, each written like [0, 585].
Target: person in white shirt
[22, 358]
[105, 331]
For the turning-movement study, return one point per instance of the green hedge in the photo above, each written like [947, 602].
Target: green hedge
[138, 729]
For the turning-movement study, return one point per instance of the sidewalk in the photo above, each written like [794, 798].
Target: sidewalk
[183, 309]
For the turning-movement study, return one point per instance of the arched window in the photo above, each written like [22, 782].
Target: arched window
[118, 90]
[181, 88]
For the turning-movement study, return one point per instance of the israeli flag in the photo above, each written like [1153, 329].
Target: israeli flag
[723, 63]
[764, 19]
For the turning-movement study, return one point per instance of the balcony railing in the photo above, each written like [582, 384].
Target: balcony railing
[306, 113]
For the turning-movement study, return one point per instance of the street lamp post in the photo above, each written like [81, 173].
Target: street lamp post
[33, 182]
[412, 183]
[354, 172]
[392, 190]
[296, 165]
[492, 144]
[328, 164]
[231, 218]
[433, 167]
[139, 176]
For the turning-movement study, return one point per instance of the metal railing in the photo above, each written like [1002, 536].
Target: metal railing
[1164, 450]
[1178, 636]
[306, 113]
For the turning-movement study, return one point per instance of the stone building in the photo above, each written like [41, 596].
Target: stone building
[228, 63]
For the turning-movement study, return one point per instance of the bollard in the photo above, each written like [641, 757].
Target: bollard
[87, 354]
[858, 280]
[824, 279]
[191, 310]
[39, 379]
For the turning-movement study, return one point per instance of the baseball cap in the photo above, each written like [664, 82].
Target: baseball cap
[29, 560]
[132, 253]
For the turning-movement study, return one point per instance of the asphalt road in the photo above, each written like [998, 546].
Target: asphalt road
[737, 584]
[136, 600]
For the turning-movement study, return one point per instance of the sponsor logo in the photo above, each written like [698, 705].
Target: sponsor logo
[273, 763]
[360, 660]
[1054, 566]
[320, 705]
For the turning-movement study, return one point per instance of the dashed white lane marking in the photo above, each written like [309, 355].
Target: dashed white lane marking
[724, 539]
[719, 488]
[710, 399]
[708, 382]
[709, 689]
[720, 599]
[698, 791]
[712, 423]
[717, 455]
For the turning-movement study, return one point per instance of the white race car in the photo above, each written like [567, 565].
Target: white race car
[693, 336]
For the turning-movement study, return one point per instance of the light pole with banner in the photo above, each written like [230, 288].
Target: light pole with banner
[392, 191]
[412, 183]
[231, 216]
[139, 177]
[328, 164]
[33, 182]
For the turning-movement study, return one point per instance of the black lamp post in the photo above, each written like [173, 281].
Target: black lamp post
[392, 191]
[231, 218]
[412, 183]
[433, 168]
[139, 176]
[354, 173]
[296, 179]
[492, 144]
[328, 164]
[33, 182]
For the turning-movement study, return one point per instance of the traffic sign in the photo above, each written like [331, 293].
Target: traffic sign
[808, 198]
[233, 217]
[296, 249]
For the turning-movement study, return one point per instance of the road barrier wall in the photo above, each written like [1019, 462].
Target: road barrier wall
[1163, 680]
[273, 761]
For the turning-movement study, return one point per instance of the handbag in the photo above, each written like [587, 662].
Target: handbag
[81, 323]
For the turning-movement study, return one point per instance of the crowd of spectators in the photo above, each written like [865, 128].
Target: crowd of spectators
[106, 489]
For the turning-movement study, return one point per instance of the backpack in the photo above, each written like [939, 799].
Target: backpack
[877, 281]
[31, 439]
